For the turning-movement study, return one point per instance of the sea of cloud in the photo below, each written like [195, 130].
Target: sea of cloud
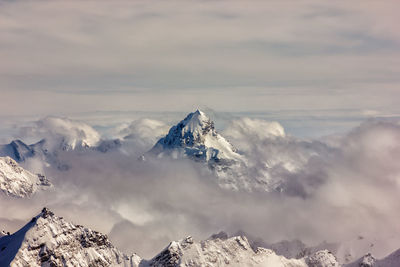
[342, 188]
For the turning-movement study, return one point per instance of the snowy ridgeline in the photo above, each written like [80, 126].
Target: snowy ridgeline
[49, 240]
[18, 182]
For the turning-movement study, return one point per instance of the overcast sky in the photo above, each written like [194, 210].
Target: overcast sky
[66, 57]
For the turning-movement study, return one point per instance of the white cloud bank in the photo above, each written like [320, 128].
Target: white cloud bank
[335, 192]
[59, 131]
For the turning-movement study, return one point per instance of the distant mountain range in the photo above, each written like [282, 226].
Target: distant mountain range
[193, 138]
[21, 152]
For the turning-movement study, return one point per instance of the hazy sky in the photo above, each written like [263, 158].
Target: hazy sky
[63, 57]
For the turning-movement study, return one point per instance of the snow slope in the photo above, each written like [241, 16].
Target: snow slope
[49, 240]
[235, 251]
[18, 182]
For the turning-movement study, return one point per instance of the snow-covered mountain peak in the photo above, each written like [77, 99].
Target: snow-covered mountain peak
[191, 131]
[49, 240]
[18, 182]
[195, 137]
[197, 122]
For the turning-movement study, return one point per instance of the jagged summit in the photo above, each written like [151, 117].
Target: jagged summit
[190, 131]
[197, 124]
[195, 137]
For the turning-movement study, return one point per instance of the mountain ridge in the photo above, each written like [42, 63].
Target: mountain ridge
[50, 240]
[17, 182]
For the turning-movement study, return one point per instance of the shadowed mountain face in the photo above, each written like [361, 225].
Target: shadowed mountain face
[20, 151]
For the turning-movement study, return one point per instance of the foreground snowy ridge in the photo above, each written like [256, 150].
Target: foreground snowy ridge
[49, 240]
[18, 182]
[235, 251]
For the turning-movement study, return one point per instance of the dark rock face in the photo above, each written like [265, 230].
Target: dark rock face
[221, 235]
[166, 258]
[108, 145]
[46, 212]
[21, 150]
[94, 239]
